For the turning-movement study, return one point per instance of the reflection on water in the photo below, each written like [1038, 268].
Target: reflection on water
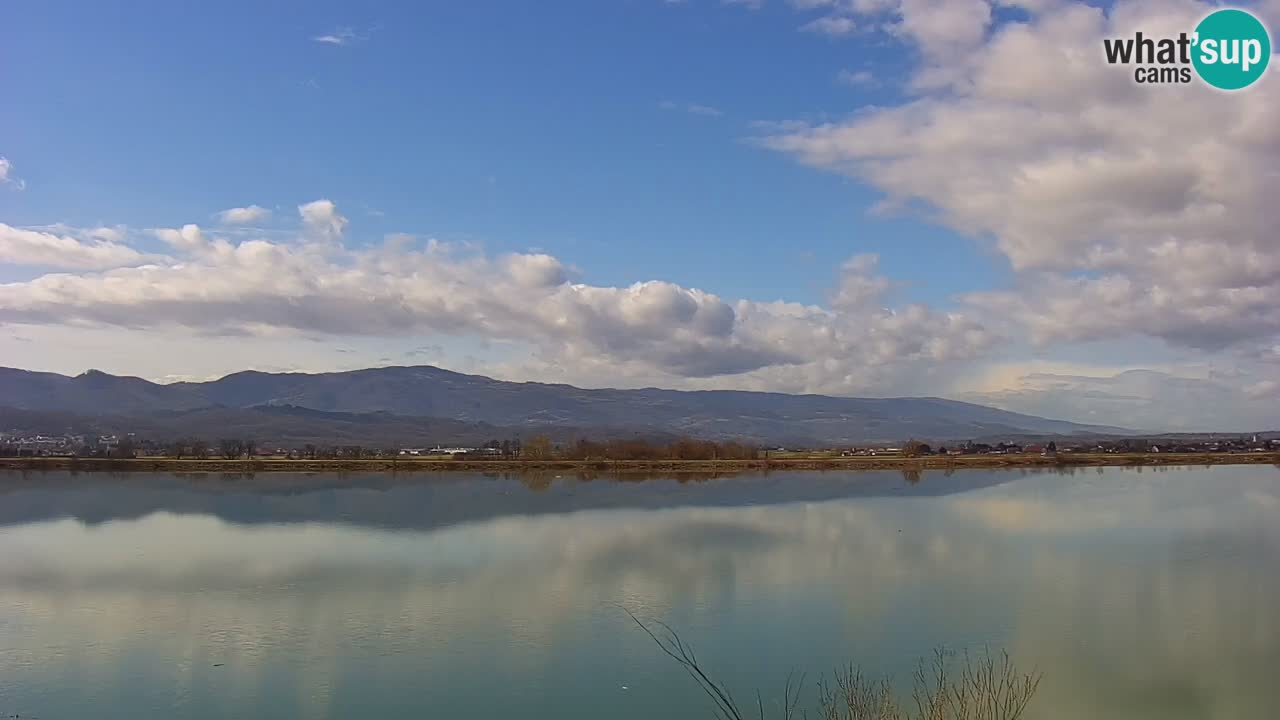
[1140, 595]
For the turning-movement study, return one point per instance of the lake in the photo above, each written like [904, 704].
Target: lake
[1140, 594]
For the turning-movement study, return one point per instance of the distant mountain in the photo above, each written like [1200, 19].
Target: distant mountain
[431, 392]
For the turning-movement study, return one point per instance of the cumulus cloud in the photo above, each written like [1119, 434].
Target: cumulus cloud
[188, 238]
[322, 218]
[97, 248]
[859, 285]
[243, 215]
[1125, 209]
[315, 284]
[6, 175]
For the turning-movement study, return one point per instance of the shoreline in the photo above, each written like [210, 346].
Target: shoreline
[418, 465]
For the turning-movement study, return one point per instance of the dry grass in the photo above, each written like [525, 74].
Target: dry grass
[947, 687]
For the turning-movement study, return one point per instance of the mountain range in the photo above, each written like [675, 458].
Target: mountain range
[437, 405]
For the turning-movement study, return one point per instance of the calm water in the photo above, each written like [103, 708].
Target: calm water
[1140, 595]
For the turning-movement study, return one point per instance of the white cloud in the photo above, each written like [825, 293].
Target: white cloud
[1263, 389]
[691, 108]
[188, 239]
[831, 25]
[1145, 399]
[1125, 209]
[7, 177]
[243, 215]
[527, 316]
[944, 29]
[106, 234]
[322, 218]
[99, 248]
[873, 6]
[341, 36]
[941, 29]
[314, 284]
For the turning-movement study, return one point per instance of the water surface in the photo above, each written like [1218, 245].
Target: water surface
[1140, 594]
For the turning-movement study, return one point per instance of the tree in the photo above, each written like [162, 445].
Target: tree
[231, 448]
[538, 448]
[1053, 447]
[915, 448]
[506, 448]
[585, 449]
[180, 447]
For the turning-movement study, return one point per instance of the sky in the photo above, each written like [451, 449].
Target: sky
[850, 197]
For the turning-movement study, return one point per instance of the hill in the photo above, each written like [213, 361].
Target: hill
[431, 392]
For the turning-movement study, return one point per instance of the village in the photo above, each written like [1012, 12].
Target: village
[130, 446]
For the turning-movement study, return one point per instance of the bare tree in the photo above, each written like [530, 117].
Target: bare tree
[915, 448]
[985, 689]
[852, 696]
[538, 448]
[232, 448]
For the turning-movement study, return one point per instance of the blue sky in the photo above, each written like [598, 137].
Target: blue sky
[486, 122]
[859, 197]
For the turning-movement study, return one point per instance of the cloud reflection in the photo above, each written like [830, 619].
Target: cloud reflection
[1141, 596]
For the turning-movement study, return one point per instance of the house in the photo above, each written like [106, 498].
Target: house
[450, 450]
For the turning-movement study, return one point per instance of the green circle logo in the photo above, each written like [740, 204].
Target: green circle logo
[1232, 48]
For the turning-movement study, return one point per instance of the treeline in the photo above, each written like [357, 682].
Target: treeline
[237, 449]
[537, 448]
[225, 448]
[540, 448]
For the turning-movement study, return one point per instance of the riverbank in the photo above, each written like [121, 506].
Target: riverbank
[414, 465]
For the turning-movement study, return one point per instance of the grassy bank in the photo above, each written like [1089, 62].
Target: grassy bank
[953, 462]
